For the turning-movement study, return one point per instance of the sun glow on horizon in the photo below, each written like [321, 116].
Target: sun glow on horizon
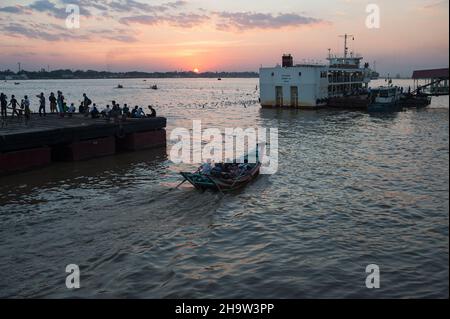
[196, 70]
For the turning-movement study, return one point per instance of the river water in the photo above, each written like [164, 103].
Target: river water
[352, 189]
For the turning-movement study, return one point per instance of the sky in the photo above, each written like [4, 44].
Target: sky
[219, 35]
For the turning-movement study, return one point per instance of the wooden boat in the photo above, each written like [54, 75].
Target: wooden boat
[415, 100]
[204, 182]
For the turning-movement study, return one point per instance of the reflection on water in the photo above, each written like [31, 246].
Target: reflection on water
[352, 189]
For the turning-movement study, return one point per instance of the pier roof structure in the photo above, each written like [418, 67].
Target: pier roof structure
[431, 74]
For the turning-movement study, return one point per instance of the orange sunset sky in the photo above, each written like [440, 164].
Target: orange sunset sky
[219, 35]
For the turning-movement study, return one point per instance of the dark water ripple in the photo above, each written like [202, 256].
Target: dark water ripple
[351, 190]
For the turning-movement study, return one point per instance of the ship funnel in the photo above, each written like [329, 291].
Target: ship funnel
[288, 61]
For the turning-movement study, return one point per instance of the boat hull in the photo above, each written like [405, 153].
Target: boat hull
[207, 182]
[384, 107]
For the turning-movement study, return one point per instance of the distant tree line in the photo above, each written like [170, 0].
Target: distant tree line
[91, 74]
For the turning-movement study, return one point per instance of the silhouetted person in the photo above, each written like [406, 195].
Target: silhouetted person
[52, 100]
[152, 111]
[134, 111]
[60, 101]
[126, 111]
[41, 104]
[27, 111]
[14, 104]
[3, 106]
[86, 102]
[94, 112]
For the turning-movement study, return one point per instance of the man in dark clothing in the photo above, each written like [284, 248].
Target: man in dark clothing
[52, 99]
[134, 111]
[13, 102]
[41, 104]
[86, 102]
[126, 111]
[3, 106]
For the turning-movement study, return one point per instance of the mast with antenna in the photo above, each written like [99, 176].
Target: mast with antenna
[345, 36]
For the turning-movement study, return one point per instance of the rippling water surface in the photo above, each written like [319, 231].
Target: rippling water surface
[352, 189]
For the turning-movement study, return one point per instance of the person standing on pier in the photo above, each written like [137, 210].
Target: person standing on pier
[60, 101]
[41, 104]
[52, 100]
[3, 106]
[86, 102]
[27, 111]
[13, 102]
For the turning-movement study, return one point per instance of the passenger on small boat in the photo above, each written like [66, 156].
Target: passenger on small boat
[206, 168]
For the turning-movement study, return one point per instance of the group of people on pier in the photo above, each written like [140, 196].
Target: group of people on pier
[59, 106]
[18, 109]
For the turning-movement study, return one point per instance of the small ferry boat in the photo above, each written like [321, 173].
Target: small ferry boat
[120, 86]
[154, 87]
[385, 99]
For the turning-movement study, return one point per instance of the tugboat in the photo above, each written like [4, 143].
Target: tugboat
[385, 99]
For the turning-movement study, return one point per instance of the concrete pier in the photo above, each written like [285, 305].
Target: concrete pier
[51, 138]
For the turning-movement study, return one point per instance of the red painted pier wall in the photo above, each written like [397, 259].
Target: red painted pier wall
[50, 138]
[142, 140]
[84, 150]
[23, 160]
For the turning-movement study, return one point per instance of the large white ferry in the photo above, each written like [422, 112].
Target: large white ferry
[311, 85]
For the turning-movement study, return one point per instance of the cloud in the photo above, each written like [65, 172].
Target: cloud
[54, 33]
[184, 20]
[48, 7]
[19, 30]
[251, 20]
[137, 6]
[15, 10]
[442, 3]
